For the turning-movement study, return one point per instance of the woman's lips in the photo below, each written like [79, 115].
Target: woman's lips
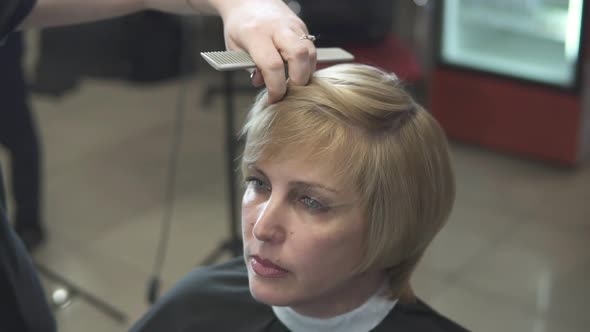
[266, 268]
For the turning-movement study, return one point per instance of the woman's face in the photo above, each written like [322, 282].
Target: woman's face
[303, 235]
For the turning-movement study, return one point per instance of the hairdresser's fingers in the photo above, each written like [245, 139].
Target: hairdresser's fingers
[256, 78]
[298, 52]
[270, 69]
[255, 26]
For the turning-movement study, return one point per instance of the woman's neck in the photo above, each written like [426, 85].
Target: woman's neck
[341, 300]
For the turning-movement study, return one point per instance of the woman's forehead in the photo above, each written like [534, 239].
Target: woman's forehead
[298, 163]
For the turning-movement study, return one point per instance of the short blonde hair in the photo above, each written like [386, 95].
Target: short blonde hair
[391, 150]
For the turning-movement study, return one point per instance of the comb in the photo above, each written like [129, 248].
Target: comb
[235, 60]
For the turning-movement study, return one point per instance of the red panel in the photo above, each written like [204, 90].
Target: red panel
[507, 115]
[392, 55]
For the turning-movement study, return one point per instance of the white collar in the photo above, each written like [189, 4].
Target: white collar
[364, 318]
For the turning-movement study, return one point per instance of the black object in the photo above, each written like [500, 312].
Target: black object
[143, 47]
[18, 134]
[156, 51]
[347, 21]
[12, 12]
[22, 300]
[7, 11]
[2, 194]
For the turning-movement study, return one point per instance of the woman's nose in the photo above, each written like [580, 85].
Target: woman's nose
[269, 225]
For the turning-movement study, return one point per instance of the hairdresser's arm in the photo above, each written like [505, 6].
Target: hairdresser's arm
[267, 29]
[63, 12]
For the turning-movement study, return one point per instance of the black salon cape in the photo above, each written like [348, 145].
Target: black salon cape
[23, 307]
[217, 298]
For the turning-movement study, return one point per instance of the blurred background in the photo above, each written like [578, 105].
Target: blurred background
[132, 134]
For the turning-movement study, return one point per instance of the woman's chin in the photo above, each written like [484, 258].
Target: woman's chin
[268, 294]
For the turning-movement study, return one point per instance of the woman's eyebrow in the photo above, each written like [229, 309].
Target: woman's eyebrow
[310, 185]
[253, 167]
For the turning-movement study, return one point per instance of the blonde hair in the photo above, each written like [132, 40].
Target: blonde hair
[390, 149]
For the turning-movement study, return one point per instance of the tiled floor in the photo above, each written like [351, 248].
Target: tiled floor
[514, 257]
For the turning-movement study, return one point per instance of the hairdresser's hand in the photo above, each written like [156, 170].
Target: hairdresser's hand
[270, 32]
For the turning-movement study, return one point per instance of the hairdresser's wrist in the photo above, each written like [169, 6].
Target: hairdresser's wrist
[222, 7]
[227, 8]
[201, 7]
[215, 7]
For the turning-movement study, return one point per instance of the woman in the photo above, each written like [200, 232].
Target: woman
[348, 181]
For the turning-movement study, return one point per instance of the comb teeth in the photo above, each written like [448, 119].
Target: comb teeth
[230, 57]
[234, 60]
[228, 60]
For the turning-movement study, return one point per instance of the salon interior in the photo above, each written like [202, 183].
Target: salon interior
[138, 134]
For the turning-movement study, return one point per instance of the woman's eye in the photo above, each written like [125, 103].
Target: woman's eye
[312, 204]
[258, 184]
